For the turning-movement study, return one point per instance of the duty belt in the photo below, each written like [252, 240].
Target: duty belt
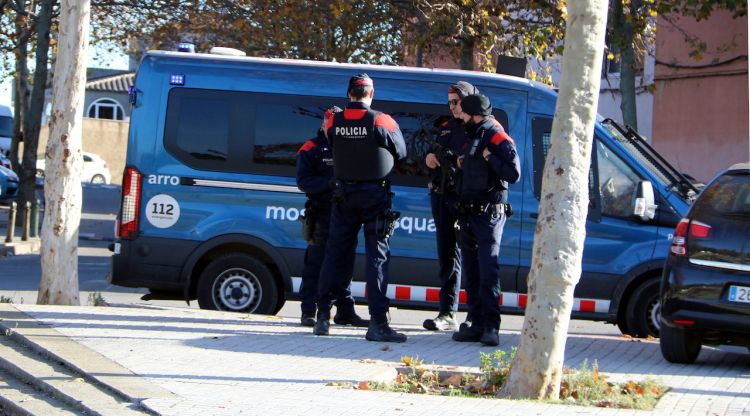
[474, 208]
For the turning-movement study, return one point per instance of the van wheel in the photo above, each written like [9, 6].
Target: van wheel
[97, 179]
[237, 282]
[644, 310]
[679, 346]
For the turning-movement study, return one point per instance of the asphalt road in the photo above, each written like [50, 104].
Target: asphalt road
[20, 275]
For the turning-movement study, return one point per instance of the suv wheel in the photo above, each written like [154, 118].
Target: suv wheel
[97, 179]
[679, 346]
[237, 282]
[644, 310]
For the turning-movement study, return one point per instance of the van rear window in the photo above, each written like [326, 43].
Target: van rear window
[6, 126]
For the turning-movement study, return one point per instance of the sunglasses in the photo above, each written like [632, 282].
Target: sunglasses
[453, 102]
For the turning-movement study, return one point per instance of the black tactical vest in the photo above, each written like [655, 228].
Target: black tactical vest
[479, 183]
[357, 156]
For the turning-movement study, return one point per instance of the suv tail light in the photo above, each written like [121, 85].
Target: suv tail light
[131, 202]
[685, 227]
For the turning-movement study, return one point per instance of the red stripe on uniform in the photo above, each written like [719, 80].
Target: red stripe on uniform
[500, 137]
[329, 123]
[462, 296]
[432, 295]
[307, 146]
[354, 113]
[403, 293]
[522, 301]
[365, 289]
[588, 306]
[500, 299]
[385, 121]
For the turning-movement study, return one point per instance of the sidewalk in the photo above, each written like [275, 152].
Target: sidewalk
[194, 362]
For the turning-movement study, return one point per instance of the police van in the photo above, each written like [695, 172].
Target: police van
[210, 206]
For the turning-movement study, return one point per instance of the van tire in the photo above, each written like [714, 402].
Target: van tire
[238, 282]
[679, 346]
[643, 310]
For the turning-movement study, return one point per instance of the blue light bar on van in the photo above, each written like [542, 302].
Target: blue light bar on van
[185, 47]
[177, 79]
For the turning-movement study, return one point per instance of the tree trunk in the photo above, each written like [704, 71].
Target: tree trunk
[33, 118]
[20, 92]
[466, 51]
[624, 28]
[536, 369]
[62, 181]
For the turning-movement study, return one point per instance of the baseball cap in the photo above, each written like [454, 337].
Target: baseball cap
[359, 80]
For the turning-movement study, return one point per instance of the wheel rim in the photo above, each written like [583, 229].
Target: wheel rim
[237, 290]
[97, 179]
[654, 313]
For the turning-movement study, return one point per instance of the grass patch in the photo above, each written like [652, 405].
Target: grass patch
[96, 299]
[584, 387]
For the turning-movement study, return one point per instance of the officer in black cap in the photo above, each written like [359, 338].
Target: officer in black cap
[314, 174]
[448, 145]
[366, 143]
[489, 163]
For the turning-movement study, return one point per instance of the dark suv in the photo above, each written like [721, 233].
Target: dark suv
[705, 287]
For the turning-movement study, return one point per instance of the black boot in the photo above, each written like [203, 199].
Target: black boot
[347, 316]
[490, 337]
[380, 331]
[468, 334]
[307, 319]
[322, 323]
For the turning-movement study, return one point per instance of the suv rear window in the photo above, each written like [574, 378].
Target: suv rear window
[723, 211]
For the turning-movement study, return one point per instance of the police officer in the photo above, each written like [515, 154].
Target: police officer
[448, 145]
[314, 173]
[489, 163]
[365, 143]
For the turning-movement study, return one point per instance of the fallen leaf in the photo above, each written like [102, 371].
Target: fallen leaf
[453, 381]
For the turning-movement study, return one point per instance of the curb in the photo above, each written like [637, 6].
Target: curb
[26, 331]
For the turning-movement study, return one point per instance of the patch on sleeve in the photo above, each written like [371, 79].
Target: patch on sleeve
[306, 147]
[385, 121]
[500, 137]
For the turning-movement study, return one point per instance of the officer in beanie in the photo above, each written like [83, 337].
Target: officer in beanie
[314, 174]
[448, 145]
[489, 163]
[366, 144]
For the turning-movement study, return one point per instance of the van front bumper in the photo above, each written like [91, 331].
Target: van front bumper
[150, 262]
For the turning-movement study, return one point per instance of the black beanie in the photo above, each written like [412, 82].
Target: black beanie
[463, 89]
[476, 105]
[359, 80]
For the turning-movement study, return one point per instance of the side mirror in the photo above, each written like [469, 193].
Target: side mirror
[643, 206]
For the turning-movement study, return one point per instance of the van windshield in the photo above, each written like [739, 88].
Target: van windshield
[6, 126]
[660, 169]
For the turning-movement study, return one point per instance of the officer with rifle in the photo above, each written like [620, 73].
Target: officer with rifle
[449, 143]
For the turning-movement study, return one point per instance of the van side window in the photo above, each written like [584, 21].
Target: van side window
[280, 130]
[618, 183]
[201, 127]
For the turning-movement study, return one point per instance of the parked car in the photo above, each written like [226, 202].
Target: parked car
[95, 169]
[705, 289]
[4, 161]
[8, 184]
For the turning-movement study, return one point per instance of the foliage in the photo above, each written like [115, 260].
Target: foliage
[96, 299]
[6, 299]
[584, 387]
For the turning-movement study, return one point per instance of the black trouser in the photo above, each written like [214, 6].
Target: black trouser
[320, 216]
[449, 256]
[480, 248]
[362, 204]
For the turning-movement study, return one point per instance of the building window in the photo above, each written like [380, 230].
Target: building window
[106, 108]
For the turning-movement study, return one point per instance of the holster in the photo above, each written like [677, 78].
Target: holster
[385, 224]
[308, 223]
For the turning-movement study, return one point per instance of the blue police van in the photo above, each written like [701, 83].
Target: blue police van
[210, 207]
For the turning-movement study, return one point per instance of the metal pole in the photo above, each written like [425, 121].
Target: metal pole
[11, 222]
[35, 219]
[26, 221]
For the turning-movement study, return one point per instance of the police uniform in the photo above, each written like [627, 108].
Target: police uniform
[482, 212]
[450, 139]
[365, 143]
[314, 173]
